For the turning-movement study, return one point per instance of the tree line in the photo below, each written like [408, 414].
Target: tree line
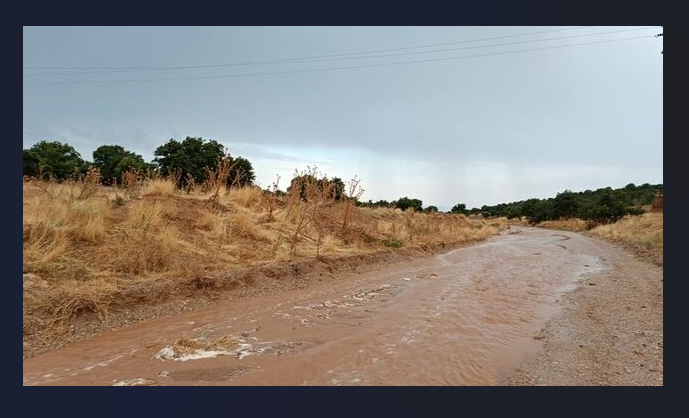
[597, 206]
[188, 161]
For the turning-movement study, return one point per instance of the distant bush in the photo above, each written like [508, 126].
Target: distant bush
[405, 203]
[378, 204]
[334, 186]
[459, 208]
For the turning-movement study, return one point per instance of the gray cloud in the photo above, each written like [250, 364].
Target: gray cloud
[496, 128]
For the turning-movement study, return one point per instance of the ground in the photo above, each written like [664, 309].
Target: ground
[610, 332]
[531, 306]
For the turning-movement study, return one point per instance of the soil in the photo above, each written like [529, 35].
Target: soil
[162, 297]
[528, 307]
[609, 332]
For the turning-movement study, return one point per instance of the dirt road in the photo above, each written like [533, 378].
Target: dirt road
[472, 316]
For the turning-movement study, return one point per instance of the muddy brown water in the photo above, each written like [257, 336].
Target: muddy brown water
[466, 317]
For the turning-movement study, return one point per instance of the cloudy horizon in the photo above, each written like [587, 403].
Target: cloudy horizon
[512, 118]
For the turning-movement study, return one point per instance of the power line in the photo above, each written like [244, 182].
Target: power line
[337, 68]
[315, 56]
[294, 61]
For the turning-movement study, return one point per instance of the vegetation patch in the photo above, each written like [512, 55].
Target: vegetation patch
[392, 243]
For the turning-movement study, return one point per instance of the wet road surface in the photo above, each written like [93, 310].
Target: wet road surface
[466, 317]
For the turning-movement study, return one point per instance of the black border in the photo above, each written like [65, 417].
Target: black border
[431, 401]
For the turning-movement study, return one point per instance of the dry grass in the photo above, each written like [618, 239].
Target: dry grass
[247, 196]
[571, 224]
[522, 221]
[159, 187]
[643, 232]
[90, 242]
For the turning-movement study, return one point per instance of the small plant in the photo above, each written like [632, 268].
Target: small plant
[190, 184]
[352, 196]
[89, 183]
[216, 179]
[272, 198]
[129, 181]
[392, 243]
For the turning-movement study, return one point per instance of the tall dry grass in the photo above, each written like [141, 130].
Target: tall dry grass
[87, 241]
[571, 224]
[645, 230]
[158, 186]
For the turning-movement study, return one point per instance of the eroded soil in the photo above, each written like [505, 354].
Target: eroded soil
[471, 316]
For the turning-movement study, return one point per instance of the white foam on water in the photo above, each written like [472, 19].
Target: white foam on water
[139, 381]
[199, 354]
[103, 363]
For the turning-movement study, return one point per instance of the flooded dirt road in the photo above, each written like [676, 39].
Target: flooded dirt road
[466, 317]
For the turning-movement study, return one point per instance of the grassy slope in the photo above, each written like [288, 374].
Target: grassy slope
[86, 246]
[642, 234]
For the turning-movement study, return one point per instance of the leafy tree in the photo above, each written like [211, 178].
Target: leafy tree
[113, 160]
[513, 212]
[459, 208]
[242, 172]
[565, 205]
[607, 208]
[430, 209]
[189, 157]
[60, 160]
[31, 163]
[405, 203]
[335, 184]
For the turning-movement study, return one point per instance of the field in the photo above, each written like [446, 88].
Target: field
[91, 251]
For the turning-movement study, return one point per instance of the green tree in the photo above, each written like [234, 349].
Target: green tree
[430, 209]
[335, 184]
[405, 203]
[541, 210]
[190, 157]
[60, 160]
[459, 208]
[31, 163]
[565, 205]
[242, 172]
[113, 160]
[607, 208]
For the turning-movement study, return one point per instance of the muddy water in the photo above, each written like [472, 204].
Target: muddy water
[466, 317]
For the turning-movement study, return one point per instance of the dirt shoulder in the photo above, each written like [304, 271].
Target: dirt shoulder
[609, 332]
[155, 298]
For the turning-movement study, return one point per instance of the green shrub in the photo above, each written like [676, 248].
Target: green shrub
[392, 243]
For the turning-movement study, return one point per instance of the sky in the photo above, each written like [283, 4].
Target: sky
[481, 115]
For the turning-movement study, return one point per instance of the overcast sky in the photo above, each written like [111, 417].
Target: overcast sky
[487, 128]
